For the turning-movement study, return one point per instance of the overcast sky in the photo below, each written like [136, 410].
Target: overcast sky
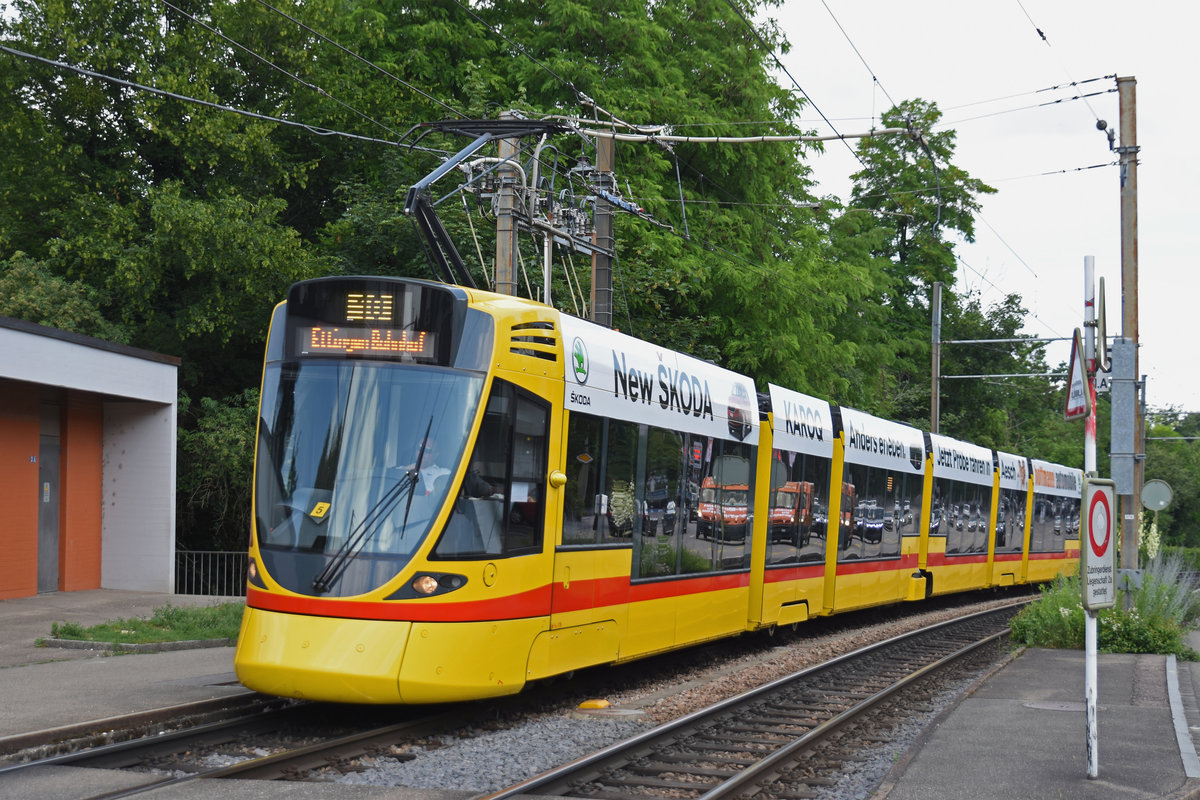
[1033, 234]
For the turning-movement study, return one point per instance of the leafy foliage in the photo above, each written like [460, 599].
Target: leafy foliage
[1160, 614]
[176, 227]
[30, 292]
[216, 457]
[1175, 459]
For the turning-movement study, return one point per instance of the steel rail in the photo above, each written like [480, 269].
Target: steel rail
[260, 714]
[270, 766]
[789, 752]
[615, 751]
[277, 764]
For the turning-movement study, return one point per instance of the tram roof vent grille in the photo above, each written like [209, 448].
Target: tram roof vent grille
[538, 339]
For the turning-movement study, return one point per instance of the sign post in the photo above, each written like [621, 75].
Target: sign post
[1097, 568]
[1099, 579]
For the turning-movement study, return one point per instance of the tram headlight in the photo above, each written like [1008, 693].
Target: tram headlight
[252, 576]
[425, 585]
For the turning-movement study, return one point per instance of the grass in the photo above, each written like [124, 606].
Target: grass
[1161, 613]
[167, 624]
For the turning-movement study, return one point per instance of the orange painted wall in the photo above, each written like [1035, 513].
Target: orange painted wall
[20, 433]
[81, 498]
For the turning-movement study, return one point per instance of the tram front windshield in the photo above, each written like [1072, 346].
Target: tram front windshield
[355, 459]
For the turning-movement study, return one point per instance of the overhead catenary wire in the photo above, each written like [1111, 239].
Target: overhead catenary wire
[330, 132]
[369, 63]
[658, 133]
[771, 52]
[314, 129]
[323, 131]
[874, 78]
[1027, 176]
[1059, 101]
[306, 84]
[1061, 64]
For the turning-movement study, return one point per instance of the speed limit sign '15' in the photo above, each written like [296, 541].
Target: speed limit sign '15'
[1099, 545]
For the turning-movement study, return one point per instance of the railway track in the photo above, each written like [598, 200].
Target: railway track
[162, 761]
[762, 742]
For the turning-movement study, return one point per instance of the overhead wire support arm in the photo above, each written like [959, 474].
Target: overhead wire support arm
[1007, 375]
[444, 258]
[447, 264]
[562, 237]
[662, 137]
[1022, 340]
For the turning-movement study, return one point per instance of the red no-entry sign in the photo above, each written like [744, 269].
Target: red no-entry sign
[1098, 569]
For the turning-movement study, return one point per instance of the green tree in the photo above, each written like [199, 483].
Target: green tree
[921, 199]
[216, 455]
[1175, 459]
[177, 227]
[29, 292]
[994, 412]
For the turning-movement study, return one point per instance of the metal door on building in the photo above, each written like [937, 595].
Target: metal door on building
[48, 514]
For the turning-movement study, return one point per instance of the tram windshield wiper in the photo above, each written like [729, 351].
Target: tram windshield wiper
[363, 532]
[371, 523]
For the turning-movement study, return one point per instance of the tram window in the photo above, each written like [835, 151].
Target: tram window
[1010, 521]
[718, 526]
[965, 515]
[683, 501]
[601, 489]
[510, 460]
[798, 508]
[879, 508]
[1055, 520]
[617, 503]
[658, 544]
[581, 499]
[527, 496]
[1043, 520]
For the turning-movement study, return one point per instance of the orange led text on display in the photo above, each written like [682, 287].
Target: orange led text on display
[386, 341]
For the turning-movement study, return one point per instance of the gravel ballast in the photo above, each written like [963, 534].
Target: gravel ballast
[489, 760]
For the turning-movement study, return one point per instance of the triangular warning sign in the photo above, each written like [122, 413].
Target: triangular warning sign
[1078, 404]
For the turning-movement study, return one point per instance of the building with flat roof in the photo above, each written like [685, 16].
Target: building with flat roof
[87, 461]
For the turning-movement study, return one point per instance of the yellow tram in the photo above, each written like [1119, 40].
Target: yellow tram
[458, 492]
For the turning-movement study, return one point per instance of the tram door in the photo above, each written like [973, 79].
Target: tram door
[47, 487]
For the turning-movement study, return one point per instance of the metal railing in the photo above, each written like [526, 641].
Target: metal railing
[211, 572]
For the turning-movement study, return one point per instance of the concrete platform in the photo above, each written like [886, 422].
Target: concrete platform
[49, 687]
[1019, 734]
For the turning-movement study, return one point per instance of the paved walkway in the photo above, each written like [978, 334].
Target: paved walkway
[49, 687]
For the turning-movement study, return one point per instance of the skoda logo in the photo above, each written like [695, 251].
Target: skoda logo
[579, 360]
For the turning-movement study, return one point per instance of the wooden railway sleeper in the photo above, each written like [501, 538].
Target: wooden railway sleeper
[659, 783]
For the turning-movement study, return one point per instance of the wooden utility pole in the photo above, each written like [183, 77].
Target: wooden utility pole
[1128, 151]
[603, 239]
[935, 388]
[506, 222]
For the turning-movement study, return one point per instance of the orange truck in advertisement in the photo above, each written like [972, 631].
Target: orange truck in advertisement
[724, 508]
